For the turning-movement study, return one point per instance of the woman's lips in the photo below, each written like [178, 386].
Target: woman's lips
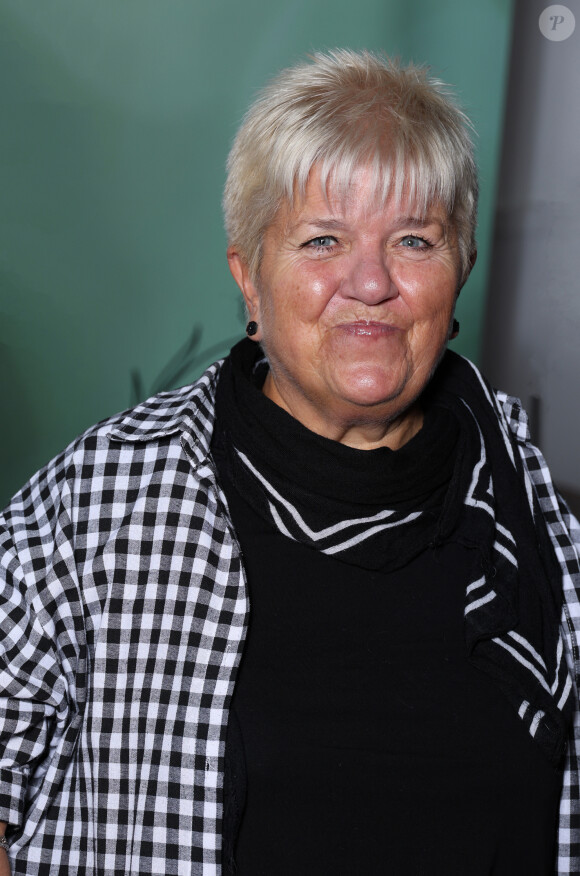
[364, 329]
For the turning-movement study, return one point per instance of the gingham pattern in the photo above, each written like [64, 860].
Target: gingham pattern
[124, 614]
[124, 610]
[564, 532]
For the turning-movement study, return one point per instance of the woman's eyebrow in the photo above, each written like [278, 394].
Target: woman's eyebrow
[419, 222]
[318, 222]
[332, 224]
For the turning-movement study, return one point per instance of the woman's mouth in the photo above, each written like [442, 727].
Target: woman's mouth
[367, 329]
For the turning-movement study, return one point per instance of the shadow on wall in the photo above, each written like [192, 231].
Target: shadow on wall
[187, 361]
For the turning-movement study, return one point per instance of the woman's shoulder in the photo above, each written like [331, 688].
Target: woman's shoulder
[515, 415]
[166, 413]
[121, 447]
[461, 377]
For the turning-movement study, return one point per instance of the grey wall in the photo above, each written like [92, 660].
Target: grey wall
[117, 117]
[532, 343]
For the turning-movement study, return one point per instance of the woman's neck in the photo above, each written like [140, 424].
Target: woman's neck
[363, 429]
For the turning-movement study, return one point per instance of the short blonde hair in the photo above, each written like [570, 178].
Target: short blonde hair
[339, 111]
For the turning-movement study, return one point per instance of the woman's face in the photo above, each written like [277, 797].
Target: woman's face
[354, 303]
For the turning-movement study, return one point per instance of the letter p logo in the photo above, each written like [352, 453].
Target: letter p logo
[557, 23]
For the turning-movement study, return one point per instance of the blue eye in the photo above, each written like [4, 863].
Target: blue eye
[325, 241]
[411, 241]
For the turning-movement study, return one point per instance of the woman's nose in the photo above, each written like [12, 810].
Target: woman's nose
[370, 280]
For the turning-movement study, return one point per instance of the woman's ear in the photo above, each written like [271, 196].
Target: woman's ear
[241, 274]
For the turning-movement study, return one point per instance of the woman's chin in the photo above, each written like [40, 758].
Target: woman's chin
[373, 387]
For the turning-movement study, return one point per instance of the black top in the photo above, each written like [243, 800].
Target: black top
[371, 743]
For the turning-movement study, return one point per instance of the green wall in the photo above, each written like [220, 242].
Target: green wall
[117, 117]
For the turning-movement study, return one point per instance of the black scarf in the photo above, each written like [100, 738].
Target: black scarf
[460, 478]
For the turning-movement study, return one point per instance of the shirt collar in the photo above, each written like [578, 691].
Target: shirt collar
[189, 411]
[517, 417]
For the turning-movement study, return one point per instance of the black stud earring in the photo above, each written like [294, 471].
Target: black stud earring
[251, 328]
[455, 329]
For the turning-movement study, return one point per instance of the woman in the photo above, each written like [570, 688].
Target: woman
[303, 617]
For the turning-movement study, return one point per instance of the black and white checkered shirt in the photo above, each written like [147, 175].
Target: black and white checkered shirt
[123, 611]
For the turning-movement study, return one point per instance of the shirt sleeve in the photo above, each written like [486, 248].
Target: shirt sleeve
[38, 647]
[569, 832]
[564, 531]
